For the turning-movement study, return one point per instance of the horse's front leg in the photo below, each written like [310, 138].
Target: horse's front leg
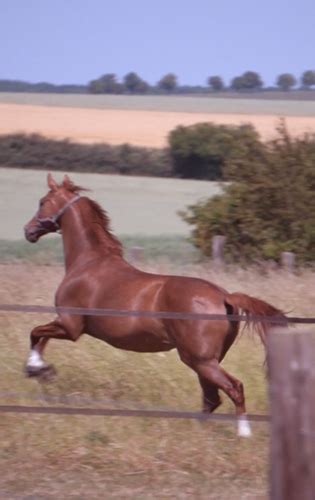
[57, 329]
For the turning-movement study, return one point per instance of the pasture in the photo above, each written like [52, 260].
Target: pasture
[84, 457]
[136, 205]
[142, 120]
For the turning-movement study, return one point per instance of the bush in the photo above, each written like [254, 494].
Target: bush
[37, 152]
[267, 212]
[209, 151]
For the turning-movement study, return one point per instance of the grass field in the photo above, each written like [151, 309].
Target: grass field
[142, 120]
[136, 205]
[49, 251]
[47, 457]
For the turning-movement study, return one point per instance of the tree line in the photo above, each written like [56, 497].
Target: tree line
[40, 87]
[132, 83]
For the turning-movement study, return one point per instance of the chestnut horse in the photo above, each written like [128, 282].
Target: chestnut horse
[97, 276]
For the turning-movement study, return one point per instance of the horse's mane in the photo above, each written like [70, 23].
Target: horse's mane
[113, 244]
[100, 217]
[73, 188]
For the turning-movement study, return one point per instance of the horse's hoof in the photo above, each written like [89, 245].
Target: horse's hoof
[243, 427]
[44, 373]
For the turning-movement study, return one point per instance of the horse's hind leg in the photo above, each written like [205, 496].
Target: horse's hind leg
[216, 375]
[210, 395]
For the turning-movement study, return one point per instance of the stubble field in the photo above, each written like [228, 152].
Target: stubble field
[142, 120]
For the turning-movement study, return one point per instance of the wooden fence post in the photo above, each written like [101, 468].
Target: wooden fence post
[217, 249]
[287, 260]
[291, 359]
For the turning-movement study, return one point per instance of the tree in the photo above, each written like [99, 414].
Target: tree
[106, 84]
[250, 80]
[168, 82]
[308, 79]
[286, 81]
[134, 84]
[215, 83]
[95, 87]
[205, 150]
[269, 208]
[237, 83]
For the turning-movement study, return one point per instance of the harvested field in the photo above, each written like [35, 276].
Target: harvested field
[138, 127]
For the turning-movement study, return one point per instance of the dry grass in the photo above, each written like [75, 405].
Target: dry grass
[138, 127]
[77, 457]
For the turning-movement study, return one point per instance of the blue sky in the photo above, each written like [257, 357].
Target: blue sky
[74, 41]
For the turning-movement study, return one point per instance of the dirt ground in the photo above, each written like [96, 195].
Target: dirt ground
[143, 128]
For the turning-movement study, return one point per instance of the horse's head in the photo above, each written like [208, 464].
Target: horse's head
[51, 208]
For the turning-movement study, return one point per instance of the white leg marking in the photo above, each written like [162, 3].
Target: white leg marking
[243, 427]
[35, 360]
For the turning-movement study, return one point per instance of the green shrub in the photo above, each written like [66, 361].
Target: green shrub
[270, 208]
[37, 152]
[212, 152]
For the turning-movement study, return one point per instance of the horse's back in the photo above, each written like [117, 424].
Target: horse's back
[115, 283]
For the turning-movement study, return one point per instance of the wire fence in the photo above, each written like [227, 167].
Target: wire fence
[123, 411]
[82, 311]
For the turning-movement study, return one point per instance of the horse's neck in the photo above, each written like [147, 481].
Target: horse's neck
[81, 237]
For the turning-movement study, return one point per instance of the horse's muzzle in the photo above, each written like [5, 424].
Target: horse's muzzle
[33, 233]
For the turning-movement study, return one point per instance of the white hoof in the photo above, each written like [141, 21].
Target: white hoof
[243, 427]
[35, 360]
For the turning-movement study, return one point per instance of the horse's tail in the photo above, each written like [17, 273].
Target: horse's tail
[256, 311]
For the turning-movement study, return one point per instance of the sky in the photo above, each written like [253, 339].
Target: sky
[75, 41]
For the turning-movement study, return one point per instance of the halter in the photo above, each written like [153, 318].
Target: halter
[51, 223]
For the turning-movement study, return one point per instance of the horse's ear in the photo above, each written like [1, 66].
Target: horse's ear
[66, 181]
[52, 184]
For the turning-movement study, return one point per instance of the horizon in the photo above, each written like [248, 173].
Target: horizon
[297, 86]
[72, 43]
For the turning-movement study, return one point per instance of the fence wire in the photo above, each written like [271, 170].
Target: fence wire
[126, 412]
[136, 412]
[83, 311]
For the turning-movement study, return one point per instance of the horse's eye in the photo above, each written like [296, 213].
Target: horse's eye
[41, 203]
